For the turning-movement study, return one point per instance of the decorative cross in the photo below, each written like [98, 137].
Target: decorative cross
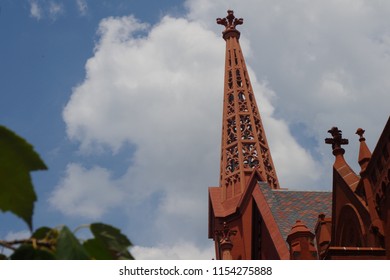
[337, 139]
[230, 22]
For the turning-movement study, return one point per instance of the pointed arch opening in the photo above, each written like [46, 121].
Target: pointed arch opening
[350, 230]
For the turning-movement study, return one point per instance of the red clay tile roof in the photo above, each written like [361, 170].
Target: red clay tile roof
[289, 206]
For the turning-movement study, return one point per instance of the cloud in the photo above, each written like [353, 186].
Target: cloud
[23, 234]
[156, 91]
[40, 9]
[35, 10]
[85, 193]
[82, 5]
[55, 9]
[179, 251]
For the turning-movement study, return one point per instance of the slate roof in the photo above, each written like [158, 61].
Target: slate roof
[289, 206]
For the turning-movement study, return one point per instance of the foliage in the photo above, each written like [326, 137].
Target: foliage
[17, 159]
[17, 195]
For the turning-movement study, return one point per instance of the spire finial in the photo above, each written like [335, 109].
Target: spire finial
[364, 152]
[336, 141]
[230, 22]
[360, 132]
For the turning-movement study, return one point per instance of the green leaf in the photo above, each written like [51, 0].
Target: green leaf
[3, 257]
[115, 242]
[41, 233]
[17, 159]
[28, 252]
[97, 249]
[69, 247]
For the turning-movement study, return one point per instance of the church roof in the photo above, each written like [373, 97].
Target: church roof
[289, 206]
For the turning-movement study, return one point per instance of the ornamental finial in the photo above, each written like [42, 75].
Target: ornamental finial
[230, 23]
[337, 139]
[360, 132]
[364, 152]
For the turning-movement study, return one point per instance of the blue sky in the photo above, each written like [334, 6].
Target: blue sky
[123, 101]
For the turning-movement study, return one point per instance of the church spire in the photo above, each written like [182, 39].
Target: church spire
[244, 144]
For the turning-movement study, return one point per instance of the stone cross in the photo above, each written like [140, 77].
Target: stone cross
[337, 139]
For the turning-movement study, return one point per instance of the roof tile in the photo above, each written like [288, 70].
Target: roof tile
[289, 206]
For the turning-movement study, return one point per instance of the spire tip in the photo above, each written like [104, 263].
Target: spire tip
[360, 132]
[230, 22]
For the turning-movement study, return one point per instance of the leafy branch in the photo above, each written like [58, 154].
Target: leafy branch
[17, 195]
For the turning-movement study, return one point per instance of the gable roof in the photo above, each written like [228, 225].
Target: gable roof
[289, 206]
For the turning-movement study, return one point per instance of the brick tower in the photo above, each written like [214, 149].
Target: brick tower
[244, 151]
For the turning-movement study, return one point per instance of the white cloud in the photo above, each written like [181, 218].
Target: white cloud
[86, 193]
[157, 92]
[35, 10]
[40, 9]
[179, 251]
[55, 9]
[160, 88]
[82, 5]
[18, 235]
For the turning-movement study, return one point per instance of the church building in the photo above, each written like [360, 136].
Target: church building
[252, 217]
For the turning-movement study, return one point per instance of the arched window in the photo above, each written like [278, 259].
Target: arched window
[350, 232]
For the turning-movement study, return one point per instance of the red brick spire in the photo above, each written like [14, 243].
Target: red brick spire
[364, 152]
[244, 144]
